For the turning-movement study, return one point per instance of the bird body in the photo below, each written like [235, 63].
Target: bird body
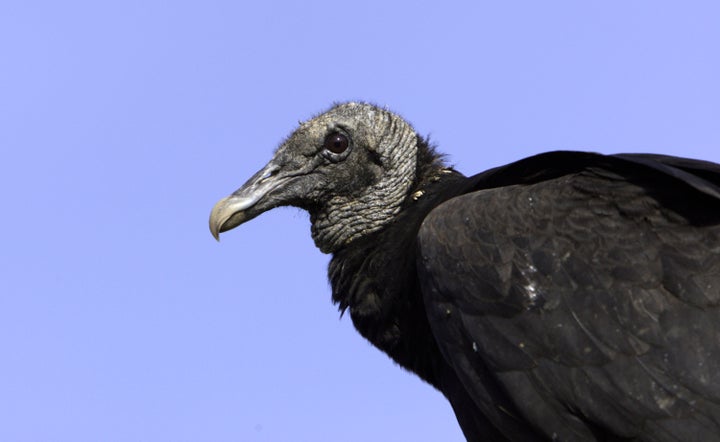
[567, 296]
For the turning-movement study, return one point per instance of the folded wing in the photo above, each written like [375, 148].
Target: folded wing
[588, 288]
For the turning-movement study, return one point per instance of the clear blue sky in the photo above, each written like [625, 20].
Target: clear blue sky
[123, 122]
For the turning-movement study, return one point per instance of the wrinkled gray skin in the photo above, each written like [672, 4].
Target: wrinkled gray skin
[349, 194]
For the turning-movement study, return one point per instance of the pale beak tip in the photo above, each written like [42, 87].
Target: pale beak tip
[214, 230]
[217, 218]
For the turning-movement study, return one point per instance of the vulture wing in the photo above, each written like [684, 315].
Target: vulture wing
[587, 289]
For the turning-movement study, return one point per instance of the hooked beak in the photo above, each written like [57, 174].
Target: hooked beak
[245, 203]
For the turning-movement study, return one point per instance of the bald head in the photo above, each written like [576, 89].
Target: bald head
[351, 167]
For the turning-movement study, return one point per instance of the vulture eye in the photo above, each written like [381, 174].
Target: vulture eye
[336, 143]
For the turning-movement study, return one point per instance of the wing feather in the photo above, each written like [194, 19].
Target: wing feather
[595, 305]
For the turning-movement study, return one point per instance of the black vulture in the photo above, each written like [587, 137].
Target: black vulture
[565, 296]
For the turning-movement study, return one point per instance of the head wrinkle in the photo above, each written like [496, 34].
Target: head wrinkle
[343, 218]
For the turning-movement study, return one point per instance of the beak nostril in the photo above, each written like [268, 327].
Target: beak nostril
[270, 173]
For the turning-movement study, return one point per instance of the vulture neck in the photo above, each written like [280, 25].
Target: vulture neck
[376, 279]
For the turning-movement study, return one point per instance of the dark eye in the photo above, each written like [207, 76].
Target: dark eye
[336, 143]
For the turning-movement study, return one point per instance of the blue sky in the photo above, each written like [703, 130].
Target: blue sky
[122, 123]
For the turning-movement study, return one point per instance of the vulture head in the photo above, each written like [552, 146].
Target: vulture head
[351, 168]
